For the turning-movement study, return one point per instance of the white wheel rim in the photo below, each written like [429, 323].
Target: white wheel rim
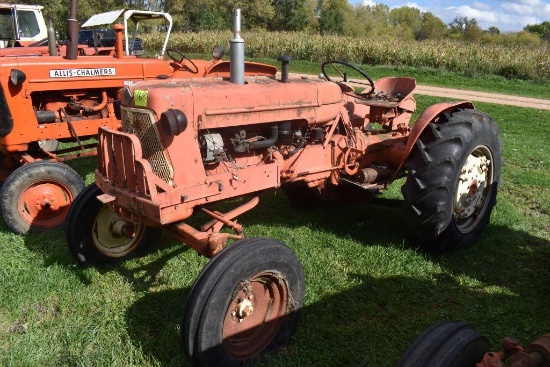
[108, 242]
[472, 188]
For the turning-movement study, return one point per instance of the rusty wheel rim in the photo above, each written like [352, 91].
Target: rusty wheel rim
[45, 204]
[255, 315]
[472, 189]
[108, 237]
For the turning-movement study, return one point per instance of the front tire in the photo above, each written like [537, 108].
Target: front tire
[95, 233]
[36, 196]
[453, 174]
[245, 302]
[446, 344]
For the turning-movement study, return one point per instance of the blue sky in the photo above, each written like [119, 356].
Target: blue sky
[506, 15]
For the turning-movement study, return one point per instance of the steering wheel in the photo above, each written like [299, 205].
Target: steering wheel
[343, 83]
[171, 54]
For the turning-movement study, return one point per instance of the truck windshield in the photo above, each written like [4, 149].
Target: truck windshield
[6, 25]
[28, 25]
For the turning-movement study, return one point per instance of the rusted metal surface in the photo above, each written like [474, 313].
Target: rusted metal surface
[536, 354]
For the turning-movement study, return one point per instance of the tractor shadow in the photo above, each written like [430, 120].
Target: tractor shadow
[369, 324]
[372, 320]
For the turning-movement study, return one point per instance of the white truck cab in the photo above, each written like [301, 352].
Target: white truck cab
[21, 25]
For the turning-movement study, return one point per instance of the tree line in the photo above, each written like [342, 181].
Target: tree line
[325, 17]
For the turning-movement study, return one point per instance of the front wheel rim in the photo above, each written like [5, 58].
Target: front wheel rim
[255, 315]
[45, 204]
[108, 237]
[472, 189]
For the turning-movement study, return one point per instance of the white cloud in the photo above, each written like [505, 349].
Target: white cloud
[369, 3]
[482, 16]
[415, 5]
[518, 8]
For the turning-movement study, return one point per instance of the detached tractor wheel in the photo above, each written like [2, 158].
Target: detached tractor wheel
[96, 234]
[453, 175]
[36, 197]
[446, 344]
[245, 303]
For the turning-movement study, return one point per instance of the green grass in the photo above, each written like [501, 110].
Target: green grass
[369, 295]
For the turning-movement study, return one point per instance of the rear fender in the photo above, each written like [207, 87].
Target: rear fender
[424, 119]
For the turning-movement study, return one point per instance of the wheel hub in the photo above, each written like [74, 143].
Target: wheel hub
[45, 204]
[472, 182]
[255, 315]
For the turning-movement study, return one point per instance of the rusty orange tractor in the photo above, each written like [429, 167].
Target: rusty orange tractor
[45, 100]
[186, 144]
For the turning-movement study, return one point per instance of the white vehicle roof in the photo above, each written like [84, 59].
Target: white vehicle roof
[135, 15]
[21, 6]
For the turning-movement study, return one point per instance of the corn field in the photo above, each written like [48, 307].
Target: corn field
[513, 62]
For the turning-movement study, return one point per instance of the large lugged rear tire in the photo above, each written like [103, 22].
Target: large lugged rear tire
[36, 196]
[453, 175]
[245, 302]
[446, 344]
[93, 231]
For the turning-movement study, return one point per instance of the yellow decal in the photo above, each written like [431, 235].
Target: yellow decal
[140, 98]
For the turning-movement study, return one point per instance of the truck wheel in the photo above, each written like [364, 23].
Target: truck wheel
[244, 303]
[36, 197]
[446, 344]
[453, 174]
[95, 233]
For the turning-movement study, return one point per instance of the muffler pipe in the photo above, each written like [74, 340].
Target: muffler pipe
[236, 48]
[52, 49]
[72, 33]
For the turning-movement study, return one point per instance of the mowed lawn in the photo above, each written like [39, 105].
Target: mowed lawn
[369, 292]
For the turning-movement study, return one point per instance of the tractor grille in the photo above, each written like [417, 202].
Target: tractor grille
[142, 124]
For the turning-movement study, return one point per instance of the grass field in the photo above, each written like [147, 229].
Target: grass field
[369, 294]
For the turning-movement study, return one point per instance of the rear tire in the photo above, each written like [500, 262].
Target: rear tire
[90, 235]
[36, 196]
[446, 344]
[453, 175]
[245, 302]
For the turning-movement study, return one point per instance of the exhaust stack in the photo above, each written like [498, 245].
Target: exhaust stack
[51, 38]
[236, 48]
[72, 34]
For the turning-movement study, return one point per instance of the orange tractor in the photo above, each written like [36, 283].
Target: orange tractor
[49, 99]
[187, 144]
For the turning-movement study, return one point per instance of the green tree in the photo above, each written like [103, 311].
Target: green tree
[333, 15]
[542, 29]
[466, 28]
[257, 14]
[294, 15]
[493, 31]
[432, 28]
[406, 20]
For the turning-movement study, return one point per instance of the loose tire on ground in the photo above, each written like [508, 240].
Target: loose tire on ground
[245, 303]
[453, 175]
[90, 233]
[36, 197]
[446, 344]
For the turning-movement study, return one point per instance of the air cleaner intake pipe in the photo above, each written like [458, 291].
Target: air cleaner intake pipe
[51, 38]
[236, 48]
[72, 34]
